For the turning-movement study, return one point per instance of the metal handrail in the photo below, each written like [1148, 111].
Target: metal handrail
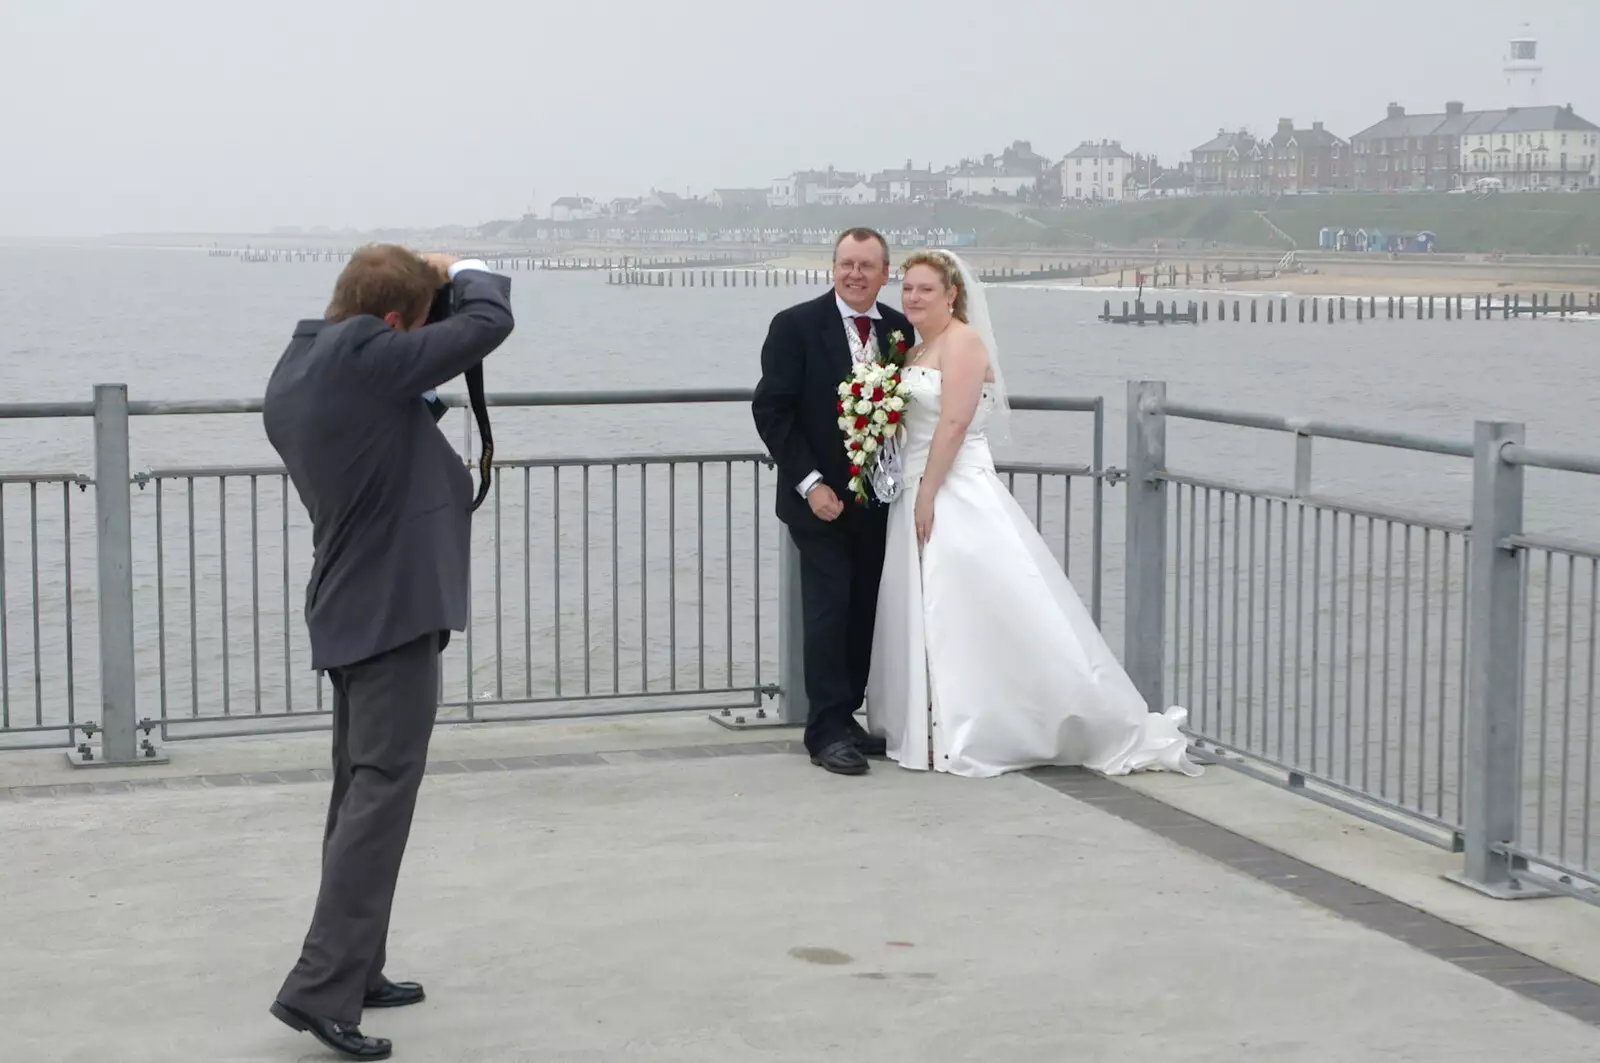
[1561, 461]
[641, 397]
[1302, 426]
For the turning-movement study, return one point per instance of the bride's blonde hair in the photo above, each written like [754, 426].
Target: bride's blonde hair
[944, 265]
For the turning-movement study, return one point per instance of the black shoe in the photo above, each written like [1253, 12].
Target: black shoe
[394, 995]
[872, 745]
[841, 758]
[344, 1038]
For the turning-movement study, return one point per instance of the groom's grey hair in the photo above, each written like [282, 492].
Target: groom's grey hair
[863, 233]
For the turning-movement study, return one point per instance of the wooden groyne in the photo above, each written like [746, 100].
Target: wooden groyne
[1161, 314]
[647, 277]
[1169, 276]
[1332, 309]
[720, 278]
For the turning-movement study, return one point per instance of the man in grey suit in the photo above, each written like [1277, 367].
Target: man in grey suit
[390, 504]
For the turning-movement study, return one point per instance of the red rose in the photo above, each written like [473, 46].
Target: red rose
[894, 416]
[855, 444]
[900, 348]
[855, 470]
[841, 405]
[855, 389]
[861, 422]
[877, 394]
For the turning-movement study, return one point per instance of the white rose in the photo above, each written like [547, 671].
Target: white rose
[855, 483]
[880, 417]
[863, 406]
[845, 423]
[844, 388]
[869, 444]
[895, 402]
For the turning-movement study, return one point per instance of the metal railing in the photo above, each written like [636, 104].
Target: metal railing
[1435, 675]
[635, 583]
[1432, 675]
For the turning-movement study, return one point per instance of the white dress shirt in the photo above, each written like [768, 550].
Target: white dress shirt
[858, 350]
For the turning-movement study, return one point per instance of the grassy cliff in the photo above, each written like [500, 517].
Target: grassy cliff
[1552, 223]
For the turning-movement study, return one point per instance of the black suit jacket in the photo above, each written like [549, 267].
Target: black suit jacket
[805, 357]
[389, 498]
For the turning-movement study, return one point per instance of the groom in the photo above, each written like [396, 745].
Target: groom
[810, 348]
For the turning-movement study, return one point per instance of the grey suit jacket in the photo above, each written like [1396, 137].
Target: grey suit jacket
[389, 498]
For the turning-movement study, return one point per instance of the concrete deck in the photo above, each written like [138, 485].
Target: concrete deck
[721, 902]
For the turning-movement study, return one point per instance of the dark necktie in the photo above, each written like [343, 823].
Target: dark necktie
[863, 327]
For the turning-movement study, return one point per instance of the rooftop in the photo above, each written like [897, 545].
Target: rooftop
[1104, 149]
[1226, 140]
[1455, 120]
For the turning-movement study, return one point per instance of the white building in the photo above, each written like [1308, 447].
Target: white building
[1533, 148]
[992, 178]
[574, 208]
[1530, 146]
[1523, 71]
[910, 185]
[726, 198]
[843, 195]
[1096, 170]
[811, 187]
[782, 193]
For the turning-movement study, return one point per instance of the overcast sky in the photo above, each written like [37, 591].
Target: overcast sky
[227, 115]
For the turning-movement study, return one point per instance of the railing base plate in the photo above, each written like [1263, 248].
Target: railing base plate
[1515, 890]
[77, 759]
[748, 720]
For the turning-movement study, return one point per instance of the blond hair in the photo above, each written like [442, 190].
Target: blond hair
[944, 264]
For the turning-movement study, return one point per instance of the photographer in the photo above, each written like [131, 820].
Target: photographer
[390, 504]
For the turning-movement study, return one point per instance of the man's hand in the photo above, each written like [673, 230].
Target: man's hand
[824, 503]
[441, 264]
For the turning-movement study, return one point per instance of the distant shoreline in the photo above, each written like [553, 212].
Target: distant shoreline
[1324, 273]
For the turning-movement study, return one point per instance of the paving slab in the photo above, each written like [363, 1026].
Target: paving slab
[723, 906]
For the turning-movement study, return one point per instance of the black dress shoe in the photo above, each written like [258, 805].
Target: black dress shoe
[841, 758]
[872, 745]
[343, 1038]
[394, 995]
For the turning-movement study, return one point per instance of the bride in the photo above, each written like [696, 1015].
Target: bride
[984, 660]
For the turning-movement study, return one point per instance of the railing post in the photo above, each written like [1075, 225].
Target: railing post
[793, 705]
[1145, 559]
[1302, 465]
[1494, 661]
[114, 556]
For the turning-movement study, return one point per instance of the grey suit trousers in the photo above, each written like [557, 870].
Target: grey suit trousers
[383, 715]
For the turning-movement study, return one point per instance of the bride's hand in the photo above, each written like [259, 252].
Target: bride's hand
[922, 516]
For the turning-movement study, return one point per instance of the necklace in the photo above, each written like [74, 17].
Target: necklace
[928, 345]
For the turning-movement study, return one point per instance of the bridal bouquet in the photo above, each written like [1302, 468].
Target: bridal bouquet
[870, 408]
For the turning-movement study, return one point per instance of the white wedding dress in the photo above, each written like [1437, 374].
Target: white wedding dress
[984, 660]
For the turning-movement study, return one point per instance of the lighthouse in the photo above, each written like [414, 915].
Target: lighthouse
[1523, 70]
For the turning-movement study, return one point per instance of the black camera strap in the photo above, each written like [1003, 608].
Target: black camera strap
[443, 306]
[480, 413]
